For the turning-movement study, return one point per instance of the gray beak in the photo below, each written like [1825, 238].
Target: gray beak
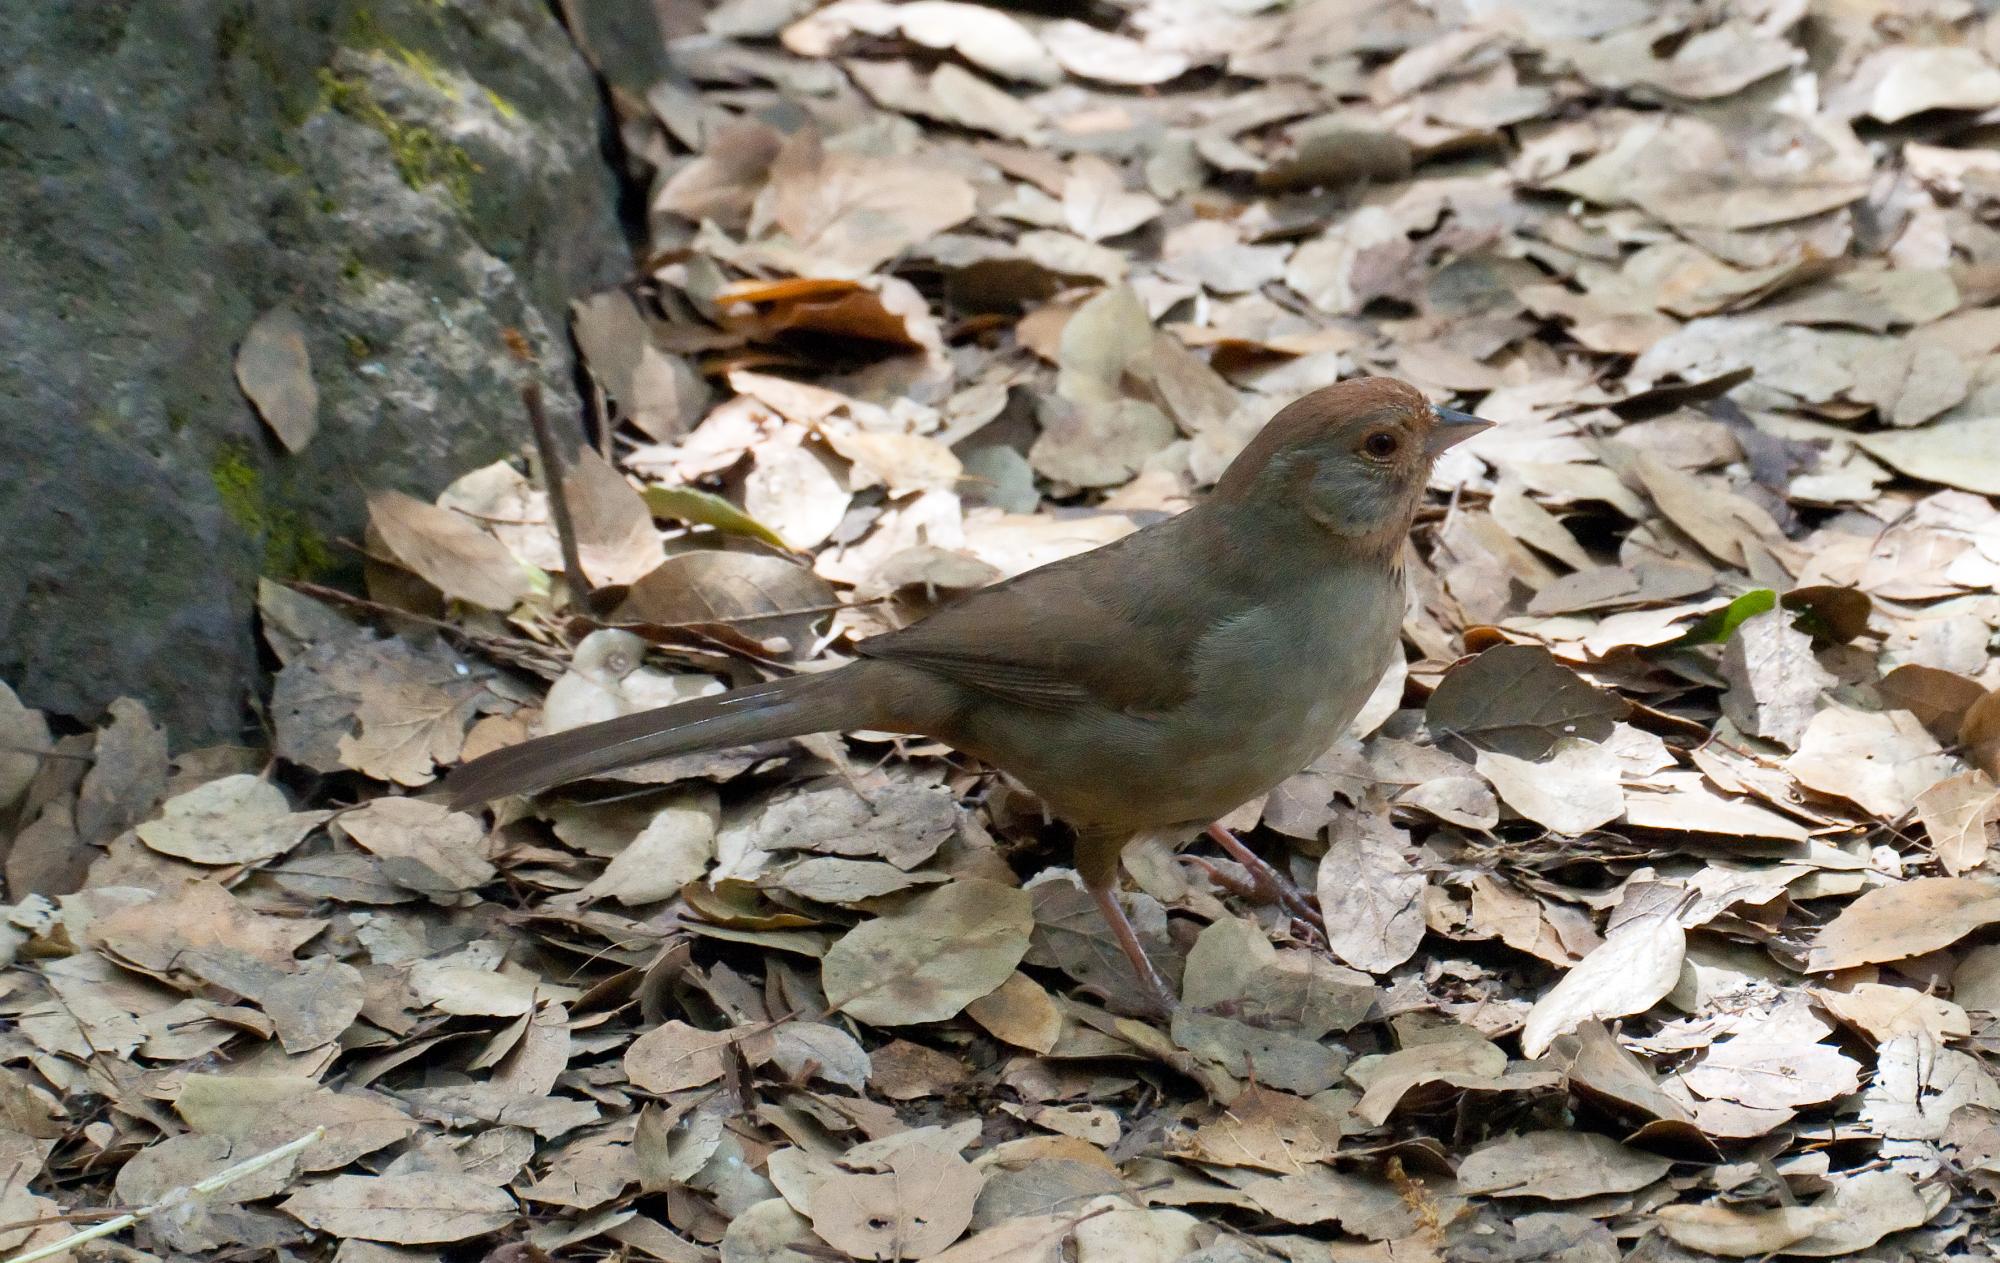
[1453, 428]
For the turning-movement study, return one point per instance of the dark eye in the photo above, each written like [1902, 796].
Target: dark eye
[1382, 444]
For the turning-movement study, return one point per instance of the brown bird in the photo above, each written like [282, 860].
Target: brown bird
[1159, 681]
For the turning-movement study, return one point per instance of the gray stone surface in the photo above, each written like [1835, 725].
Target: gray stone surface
[411, 176]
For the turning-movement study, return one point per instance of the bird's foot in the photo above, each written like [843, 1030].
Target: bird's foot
[1153, 988]
[1268, 885]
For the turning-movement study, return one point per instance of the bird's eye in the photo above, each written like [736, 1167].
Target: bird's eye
[1382, 444]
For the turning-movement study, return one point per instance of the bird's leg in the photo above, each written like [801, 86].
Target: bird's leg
[1272, 885]
[1097, 863]
[1150, 980]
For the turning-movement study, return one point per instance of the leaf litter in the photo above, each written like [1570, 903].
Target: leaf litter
[1659, 877]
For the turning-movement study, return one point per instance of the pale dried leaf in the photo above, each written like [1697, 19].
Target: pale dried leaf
[1371, 896]
[235, 820]
[274, 368]
[1635, 967]
[1558, 1166]
[1905, 919]
[929, 959]
[411, 1209]
[450, 552]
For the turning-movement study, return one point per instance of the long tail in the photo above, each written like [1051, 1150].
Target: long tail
[790, 707]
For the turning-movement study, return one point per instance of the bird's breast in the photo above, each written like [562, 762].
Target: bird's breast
[1276, 682]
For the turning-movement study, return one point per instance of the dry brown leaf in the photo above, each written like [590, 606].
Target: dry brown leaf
[23, 732]
[1715, 1228]
[1957, 453]
[409, 726]
[1093, 433]
[1371, 896]
[1958, 815]
[1919, 1085]
[1879, 760]
[1558, 1166]
[1635, 967]
[274, 368]
[933, 956]
[1896, 922]
[1264, 1129]
[1775, 682]
[1885, 1012]
[674, 1056]
[1576, 789]
[1771, 1074]
[655, 391]
[235, 820]
[795, 491]
[1362, 1207]
[1090, 53]
[615, 538]
[1096, 204]
[1518, 700]
[421, 845]
[674, 848]
[912, 1211]
[843, 214]
[413, 1209]
[1910, 80]
[449, 552]
[1864, 1208]
[1020, 1012]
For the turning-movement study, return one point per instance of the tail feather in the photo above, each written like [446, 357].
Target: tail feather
[790, 707]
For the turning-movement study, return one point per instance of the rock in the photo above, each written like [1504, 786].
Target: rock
[412, 177]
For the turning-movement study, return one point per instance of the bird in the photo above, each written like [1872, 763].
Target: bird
[1157, 682]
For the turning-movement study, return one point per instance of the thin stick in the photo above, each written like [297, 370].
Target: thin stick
[221, 1179]
[553, 469]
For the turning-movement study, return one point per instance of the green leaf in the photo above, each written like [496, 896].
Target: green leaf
[705, 508]
[1719, 625]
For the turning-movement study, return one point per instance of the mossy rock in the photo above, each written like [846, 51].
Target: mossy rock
[413, 177]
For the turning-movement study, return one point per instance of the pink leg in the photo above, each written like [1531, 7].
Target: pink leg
[1106, 895]
[1273, 885]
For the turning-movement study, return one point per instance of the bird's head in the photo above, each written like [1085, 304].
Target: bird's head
[1352, 457]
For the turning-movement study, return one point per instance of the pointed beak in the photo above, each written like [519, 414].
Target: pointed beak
[1453, 428]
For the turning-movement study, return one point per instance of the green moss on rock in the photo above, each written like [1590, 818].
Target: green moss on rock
[422, 158]
[293, 547]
